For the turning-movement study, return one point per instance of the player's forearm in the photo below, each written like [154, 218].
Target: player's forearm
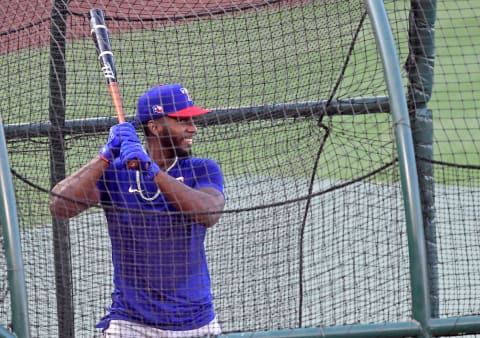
[78, 191]
[203, 206]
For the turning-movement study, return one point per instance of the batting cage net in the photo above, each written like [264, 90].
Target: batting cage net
[313, 230]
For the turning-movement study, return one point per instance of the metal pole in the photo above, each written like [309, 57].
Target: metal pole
[421, 306]
[420, 67]
[57, 107]
[13, 250]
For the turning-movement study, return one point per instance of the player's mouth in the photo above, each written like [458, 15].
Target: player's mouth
[188, 141]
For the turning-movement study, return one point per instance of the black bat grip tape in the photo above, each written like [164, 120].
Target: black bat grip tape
[100, 36]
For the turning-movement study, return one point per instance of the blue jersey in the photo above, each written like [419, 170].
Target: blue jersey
[161, 277]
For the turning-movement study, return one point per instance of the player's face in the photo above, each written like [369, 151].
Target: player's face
[177, 134]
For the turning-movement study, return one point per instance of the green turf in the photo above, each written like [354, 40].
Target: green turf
[260, 58]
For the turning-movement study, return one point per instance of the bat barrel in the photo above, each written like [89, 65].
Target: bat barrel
[101, 39]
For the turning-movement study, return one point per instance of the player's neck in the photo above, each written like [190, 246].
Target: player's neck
[164, 158]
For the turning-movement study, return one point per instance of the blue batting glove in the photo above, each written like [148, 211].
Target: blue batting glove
[133, 151]
[119, 133]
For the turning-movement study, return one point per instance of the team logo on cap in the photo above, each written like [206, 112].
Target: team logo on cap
[184, 91]
[157, 109]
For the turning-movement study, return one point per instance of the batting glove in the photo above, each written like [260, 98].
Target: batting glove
[119, 133]
[133, 151]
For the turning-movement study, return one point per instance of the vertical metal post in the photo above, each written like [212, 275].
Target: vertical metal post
[420, 66]
[60, 228]
[421, 306]
[13, 251]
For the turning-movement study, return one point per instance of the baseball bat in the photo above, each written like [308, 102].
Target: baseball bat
[103, 46]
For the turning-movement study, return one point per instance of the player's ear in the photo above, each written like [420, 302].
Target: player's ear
[153, 128]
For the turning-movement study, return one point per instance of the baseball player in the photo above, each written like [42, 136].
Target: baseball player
[158, 202]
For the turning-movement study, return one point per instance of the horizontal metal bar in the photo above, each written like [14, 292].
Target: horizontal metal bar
[400, 329]
[455, 326]
[351, 106]
[451, 326]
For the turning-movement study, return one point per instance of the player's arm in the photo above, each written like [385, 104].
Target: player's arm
[203, 205]
[78, 191]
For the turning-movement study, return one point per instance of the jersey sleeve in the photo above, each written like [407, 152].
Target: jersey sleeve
[208, 174]
[102, 185]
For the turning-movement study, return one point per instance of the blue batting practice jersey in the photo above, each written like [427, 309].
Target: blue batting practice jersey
[161, 277]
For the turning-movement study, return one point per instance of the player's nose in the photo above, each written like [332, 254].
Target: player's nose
[191, 127]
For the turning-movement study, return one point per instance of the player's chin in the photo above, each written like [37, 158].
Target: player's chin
[183, 151]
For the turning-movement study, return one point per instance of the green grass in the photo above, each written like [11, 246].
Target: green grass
[457, 81]
[273, 56]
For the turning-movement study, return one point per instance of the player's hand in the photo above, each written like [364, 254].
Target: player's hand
[119, 133]
[134, 151]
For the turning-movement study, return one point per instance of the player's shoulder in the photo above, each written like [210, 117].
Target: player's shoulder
[199, 162]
